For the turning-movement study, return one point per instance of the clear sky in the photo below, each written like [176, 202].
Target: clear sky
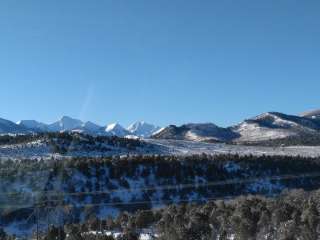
[162, 61]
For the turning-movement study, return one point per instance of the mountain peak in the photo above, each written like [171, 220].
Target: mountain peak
[142, 129]
[65, 124]
[113, 126]
[7, 126]
[33, 124]
[66, 118]
[115, 129]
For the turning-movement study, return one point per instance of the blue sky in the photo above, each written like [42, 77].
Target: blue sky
[168, 61]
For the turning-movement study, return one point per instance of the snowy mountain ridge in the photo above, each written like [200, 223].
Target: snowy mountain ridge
[137, 129]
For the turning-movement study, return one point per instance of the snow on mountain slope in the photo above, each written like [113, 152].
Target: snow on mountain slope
[142, 129]
[7, 126]
[158, 131]
[273, 125]
[315, 114]
[115, 129]
[34, 125]
[90, 126]
[65, 124]
[196, 132]
[267, 126]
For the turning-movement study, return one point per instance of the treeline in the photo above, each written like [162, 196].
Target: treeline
[61, 142]
[203, 164]
[64, 142]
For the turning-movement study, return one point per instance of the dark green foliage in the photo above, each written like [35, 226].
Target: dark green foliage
[55, 233]
[62, 142]
[293, 215]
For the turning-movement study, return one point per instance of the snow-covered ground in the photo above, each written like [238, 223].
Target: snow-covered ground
[142, 236]
[180, 147]
[39, 149]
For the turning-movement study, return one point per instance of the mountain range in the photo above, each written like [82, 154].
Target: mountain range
[68, 124]
[265, 127]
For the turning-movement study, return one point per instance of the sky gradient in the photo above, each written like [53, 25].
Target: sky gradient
[168, 61]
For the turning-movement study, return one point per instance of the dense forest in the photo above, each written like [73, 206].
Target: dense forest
[62, 142]
[74, 190]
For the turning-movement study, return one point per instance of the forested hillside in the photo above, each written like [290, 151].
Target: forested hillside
[73, 190]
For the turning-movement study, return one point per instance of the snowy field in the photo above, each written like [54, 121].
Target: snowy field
[38, 149]
[179, 147]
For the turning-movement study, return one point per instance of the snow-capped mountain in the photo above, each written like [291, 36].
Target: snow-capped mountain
[89, 128]
[92, 127]
[65, 124]
[33, 125]
[196, 132]
[7, 126]
[142, 129]
[115, 129]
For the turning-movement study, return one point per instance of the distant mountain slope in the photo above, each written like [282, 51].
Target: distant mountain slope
[315, 114]
[196, 132]
[7, 126]
[65, 124]
[265, 127]
[142, 129]
[68, 124]
[33, 125]
[273, 125]
[115, 129]
[90, 126]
